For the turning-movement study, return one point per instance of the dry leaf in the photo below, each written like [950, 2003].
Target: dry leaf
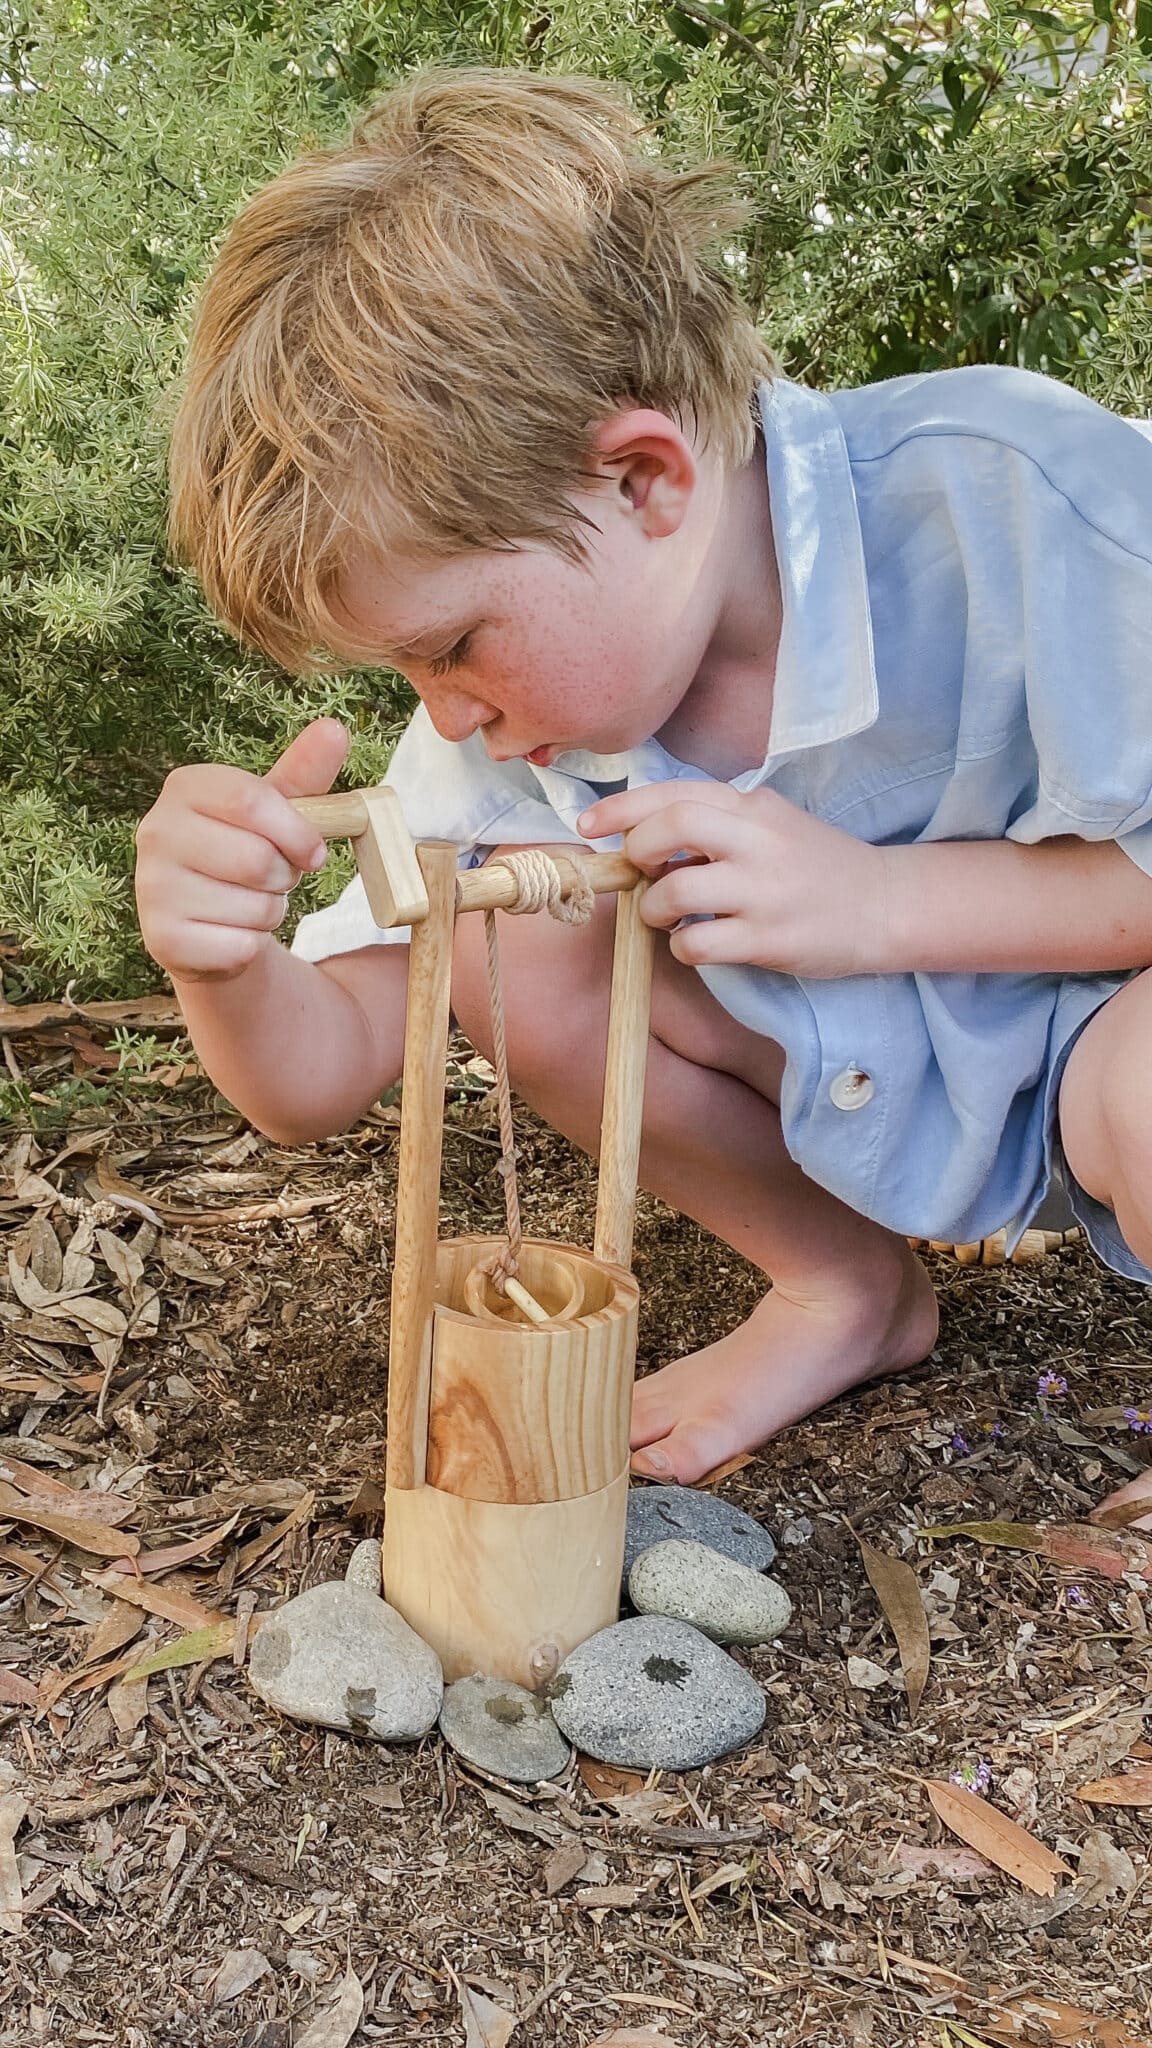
[1081, 1545]
[202, 1646]
[16, 1691]
[898, 1590]
[167, 1602]
[335, 2026]
[864, 1674]
[992, 1834]
[632, 2037]
[1033, 2018]
[12, 1811]
[240, 1970]
[42, 1491]
[180, 1553]
[605, 1782]
[250, 1553]
[1131, 1788]
[127, 1704]
[82, 1530]
[121, 1623]
[562, 1866]
[486, 2024]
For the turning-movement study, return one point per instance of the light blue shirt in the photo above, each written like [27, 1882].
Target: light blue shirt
[966, 653]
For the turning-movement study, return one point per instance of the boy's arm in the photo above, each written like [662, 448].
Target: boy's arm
[776, 887]
[1064, 906]
[302, 1050]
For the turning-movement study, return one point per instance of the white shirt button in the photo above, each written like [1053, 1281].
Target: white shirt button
[852, 1089]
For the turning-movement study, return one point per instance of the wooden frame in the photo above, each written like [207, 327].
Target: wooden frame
[507, 1462]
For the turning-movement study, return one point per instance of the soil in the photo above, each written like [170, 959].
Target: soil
[832, 1907]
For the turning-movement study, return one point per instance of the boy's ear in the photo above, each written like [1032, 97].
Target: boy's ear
[646, 459]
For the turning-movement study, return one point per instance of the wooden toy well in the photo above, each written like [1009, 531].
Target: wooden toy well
[507, 1464]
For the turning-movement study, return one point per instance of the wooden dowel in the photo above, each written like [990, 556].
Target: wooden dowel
[496, 887]
[624, 1067]
[526, 1301]
[341, 815]
[418, 1180]
[346, 814]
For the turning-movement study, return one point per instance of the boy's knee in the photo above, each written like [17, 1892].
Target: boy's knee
[1106, 1116]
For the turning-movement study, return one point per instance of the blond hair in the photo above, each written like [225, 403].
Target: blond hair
[409, 339]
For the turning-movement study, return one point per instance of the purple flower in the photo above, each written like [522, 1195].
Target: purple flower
[962, 1449]
[1075, 1596]
[1051, 1383]
[973, 1777]
[996, 1432]
[1139, 1419]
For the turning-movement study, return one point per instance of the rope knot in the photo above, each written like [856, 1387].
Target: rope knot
[539, 886]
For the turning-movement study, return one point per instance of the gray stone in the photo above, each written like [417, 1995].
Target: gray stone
[729, 1602]
[650, 1693]
[363, 1567]
[658, 1514]
[504, 1729]
[343, 1658]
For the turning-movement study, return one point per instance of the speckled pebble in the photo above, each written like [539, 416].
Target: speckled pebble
[658, 1514]
[726, 1601]
[363, 1567]
[650, 1693]
[343, 1658]
[504, 1729]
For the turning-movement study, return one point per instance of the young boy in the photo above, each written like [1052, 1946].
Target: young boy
[474, 397]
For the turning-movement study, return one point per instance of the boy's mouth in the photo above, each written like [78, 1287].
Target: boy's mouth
[543, 757]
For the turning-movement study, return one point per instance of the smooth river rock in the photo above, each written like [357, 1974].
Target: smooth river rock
[504, 1729]
[343, 1658]
[659, 1514]
[729, 1602]
[364, 1568]
[651, 1693]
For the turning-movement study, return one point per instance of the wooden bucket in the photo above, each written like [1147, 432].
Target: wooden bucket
[511, 1551]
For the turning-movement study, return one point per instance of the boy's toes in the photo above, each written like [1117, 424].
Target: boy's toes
[680, 1458]
[1138, 1489]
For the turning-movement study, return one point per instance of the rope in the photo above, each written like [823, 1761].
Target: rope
[539, 887]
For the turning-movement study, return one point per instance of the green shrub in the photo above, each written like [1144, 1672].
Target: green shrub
[957, 185]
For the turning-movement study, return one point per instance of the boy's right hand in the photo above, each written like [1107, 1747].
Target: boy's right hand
[219, 851]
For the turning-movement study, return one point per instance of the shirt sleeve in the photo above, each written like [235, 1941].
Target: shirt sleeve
[1085, 541]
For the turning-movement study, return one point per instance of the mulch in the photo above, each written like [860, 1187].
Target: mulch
[192, 1378]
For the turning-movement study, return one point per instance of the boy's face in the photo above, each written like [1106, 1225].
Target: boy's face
[543, 656]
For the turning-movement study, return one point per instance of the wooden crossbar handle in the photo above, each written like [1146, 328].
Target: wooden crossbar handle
[393, 883]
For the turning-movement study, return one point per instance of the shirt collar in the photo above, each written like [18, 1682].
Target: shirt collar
[825, 685]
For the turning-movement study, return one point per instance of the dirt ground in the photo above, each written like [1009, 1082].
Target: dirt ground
[188, 1869]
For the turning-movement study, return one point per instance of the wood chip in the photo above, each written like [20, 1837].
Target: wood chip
[12, 1811]
[1010, 1847]
[58, 1811]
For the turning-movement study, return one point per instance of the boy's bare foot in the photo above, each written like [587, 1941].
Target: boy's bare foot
[1139, 1488]
[788, 1358]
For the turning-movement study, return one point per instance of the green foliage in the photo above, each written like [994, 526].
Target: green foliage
[930, 186]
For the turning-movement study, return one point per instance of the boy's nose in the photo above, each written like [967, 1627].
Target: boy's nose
[457, 718]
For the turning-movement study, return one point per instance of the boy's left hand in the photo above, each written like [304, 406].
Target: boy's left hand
[780, 888]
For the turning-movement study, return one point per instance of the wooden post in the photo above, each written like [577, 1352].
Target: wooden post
[418, 1181]
[625, 1064]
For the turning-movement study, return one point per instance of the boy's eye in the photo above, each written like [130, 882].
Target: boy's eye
[451, 659]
